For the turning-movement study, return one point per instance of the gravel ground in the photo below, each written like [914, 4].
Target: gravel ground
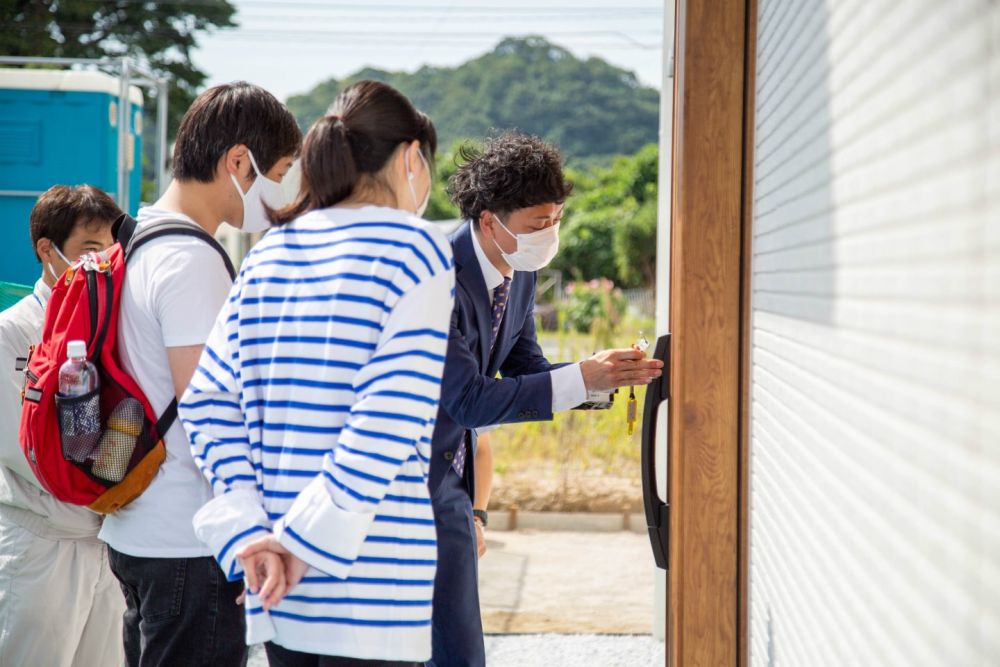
[573, 650]
[551, 650]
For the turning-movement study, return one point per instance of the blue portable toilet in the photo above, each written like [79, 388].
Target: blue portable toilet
[58, 127]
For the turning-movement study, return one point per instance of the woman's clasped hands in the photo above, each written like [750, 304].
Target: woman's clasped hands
[271, 570]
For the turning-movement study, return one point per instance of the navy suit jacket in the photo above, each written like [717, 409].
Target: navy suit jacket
[471, 394]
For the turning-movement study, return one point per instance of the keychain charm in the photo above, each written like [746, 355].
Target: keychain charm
[632, 408]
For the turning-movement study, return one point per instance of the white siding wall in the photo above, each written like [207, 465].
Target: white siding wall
[875, 455]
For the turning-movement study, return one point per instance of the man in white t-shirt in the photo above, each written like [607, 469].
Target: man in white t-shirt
[233, 147]
[59, 603]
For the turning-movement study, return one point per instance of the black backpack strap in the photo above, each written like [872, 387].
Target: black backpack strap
[168, 228]
[123, 229]
[167, 419]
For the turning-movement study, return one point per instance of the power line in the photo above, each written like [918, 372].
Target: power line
[382, 37]
[502, 8]
[346, 42]
[366, 45]
[426, 18]
[410, 8]
[416, 33]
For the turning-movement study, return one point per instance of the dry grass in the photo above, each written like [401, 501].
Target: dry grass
[580, 461]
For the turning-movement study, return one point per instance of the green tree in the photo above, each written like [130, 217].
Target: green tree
[635, 247]
[586, 250]
[440, 206]
[609, 230]
[161, 36]
[592, 110]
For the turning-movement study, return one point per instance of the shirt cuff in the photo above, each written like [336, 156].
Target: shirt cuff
[229, 522]
[568, 389]
[322, 534]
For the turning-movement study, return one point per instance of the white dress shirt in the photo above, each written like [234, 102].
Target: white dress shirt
[568, 388]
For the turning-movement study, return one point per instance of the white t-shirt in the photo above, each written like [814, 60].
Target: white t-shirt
[174, 288]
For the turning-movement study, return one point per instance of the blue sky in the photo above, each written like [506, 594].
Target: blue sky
[288, 47]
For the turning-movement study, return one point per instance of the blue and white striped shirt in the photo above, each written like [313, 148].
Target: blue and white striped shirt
[311, 415]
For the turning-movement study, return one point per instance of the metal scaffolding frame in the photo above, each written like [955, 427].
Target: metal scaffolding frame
[129, 73]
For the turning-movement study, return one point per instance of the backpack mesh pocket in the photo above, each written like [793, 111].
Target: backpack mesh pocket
[126, 436]
[106, 432]
[117, 444]
[79, 425]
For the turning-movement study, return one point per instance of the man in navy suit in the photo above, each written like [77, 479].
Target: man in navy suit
[512, 192]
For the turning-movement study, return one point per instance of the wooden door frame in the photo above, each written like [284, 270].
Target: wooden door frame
[711, 200]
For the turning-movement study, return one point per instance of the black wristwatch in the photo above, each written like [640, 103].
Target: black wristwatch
[483, 516]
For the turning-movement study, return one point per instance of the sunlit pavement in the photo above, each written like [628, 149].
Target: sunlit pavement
[567, 582]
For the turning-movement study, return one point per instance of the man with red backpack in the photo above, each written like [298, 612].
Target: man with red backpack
[233, 147]
[59, 603]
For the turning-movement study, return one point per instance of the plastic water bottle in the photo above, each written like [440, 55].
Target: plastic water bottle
[77, 376]
[79, 404]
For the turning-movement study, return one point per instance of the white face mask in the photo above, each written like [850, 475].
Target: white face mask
[420, 208]
[534, 250]
[263, 191]
[62, 257]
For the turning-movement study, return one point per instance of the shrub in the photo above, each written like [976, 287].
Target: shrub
[596, 307]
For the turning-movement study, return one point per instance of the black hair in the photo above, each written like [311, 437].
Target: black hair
[231, 114]
[349, 146]
[62, 207]
[511, 171]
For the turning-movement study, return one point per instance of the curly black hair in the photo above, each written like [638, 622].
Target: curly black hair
[511, 171]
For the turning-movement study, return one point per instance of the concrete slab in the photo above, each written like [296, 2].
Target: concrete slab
[564, 582]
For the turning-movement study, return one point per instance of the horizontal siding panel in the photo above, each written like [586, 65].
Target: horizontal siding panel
[877, 369]
[875, 334]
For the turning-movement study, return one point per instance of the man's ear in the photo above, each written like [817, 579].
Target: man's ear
[43, 248]
[486, 222]
[235, 161]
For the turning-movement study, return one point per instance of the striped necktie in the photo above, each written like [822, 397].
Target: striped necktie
[500, 294]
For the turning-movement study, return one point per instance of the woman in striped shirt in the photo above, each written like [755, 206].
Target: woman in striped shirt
[313, 405]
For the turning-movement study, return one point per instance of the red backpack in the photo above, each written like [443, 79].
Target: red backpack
[101, 449]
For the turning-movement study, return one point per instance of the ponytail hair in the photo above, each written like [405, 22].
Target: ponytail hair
[351, 144]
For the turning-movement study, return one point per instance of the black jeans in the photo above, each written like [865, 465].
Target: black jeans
[180, 611]
[279, 656]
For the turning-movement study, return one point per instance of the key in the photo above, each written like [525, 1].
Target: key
[632, 408]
